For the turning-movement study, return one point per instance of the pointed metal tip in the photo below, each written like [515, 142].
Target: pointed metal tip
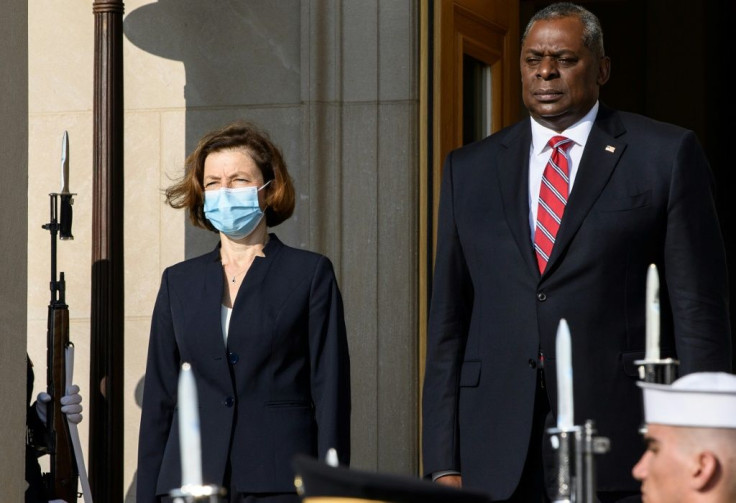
[331, 458]
[65, 163]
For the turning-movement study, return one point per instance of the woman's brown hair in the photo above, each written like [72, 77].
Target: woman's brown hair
[189, 191]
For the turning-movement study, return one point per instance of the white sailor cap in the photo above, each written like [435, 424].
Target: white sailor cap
[700, 400]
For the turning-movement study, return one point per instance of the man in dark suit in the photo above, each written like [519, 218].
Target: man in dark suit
[635, 192]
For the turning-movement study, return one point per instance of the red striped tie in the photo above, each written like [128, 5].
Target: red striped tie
[552, 199]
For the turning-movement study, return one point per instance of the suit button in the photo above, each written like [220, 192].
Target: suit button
[541, 296]
[233, 358]
[229, 401]
[532, 363]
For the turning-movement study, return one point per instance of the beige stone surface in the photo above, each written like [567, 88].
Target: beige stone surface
[61, 64]
[172, 156]
[60, 56]
[135, 356]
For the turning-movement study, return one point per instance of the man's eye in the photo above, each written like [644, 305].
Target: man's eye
[532, 61]
[651, 446]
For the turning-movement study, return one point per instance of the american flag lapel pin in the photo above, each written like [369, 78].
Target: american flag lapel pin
[610, 148]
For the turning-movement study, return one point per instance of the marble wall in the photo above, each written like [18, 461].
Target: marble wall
[336, 84]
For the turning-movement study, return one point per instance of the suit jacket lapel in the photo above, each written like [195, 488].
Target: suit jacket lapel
[248, 317]
[513, 178]
[602, 152]
[214, 284]
[201, 304]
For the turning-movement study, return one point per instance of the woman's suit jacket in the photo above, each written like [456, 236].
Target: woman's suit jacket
[643, 195]
[280, 387]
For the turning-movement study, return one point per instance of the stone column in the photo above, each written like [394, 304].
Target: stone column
[14, 244]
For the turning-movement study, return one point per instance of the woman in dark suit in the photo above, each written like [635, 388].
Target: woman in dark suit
[261, 324]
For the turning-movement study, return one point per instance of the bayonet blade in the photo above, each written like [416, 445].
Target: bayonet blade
[65, 218]
[65, 164]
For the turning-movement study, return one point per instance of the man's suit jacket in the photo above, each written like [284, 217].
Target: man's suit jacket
[643, 195]
[280, 387]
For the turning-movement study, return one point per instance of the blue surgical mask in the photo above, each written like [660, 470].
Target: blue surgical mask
[234, 212]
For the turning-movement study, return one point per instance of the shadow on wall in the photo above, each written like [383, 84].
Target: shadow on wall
[240, 58]
[138, 395]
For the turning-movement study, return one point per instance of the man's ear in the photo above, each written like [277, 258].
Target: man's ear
[604, 70]
[706, 471]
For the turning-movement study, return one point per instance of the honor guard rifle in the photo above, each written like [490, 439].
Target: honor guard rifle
[575, 445]
[62, 479]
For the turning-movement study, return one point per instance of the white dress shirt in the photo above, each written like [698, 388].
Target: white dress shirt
[540, 152]
[225, 313]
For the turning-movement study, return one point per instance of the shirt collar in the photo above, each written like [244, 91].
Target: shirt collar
[578, 132]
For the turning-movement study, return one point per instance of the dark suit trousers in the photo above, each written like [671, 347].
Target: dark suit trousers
[234, 497]
[534, 477]
[531, 486]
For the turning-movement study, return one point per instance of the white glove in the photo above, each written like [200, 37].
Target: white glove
[71, 405]
[42, 399]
